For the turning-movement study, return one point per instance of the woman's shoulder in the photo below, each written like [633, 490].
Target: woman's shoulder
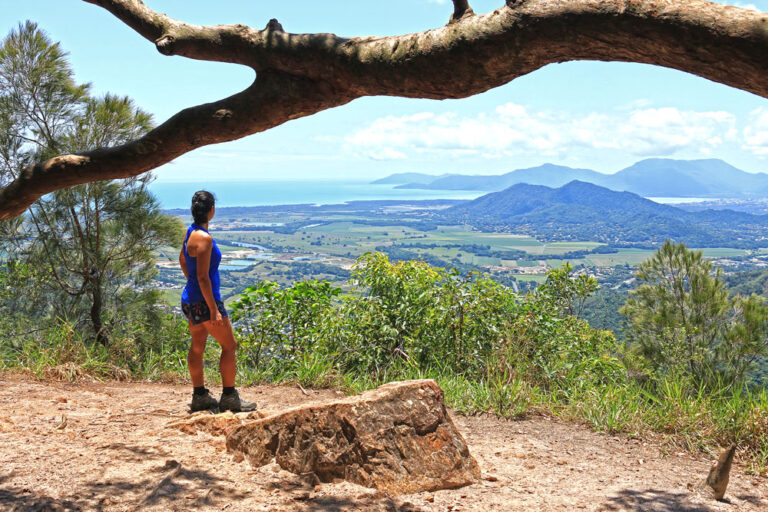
[200, 237]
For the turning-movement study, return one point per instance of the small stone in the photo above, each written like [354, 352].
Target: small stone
[171, 464]
[310, 479]
[491, 478]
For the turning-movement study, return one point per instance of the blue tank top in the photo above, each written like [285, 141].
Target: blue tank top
[192, 292]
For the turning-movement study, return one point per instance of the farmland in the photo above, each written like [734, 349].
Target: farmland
[290, 243]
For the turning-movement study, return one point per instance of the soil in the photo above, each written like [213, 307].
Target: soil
[105, 446]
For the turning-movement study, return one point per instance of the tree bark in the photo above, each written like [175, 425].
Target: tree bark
[96, 308]
[461, 9]
[300, 74]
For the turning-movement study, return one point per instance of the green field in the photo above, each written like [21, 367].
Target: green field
[631, 257]
[722, 252]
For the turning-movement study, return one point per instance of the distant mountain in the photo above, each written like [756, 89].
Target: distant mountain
[410, 178]
[584, 211]
[548, 174]
[659, 177]
[654, 177]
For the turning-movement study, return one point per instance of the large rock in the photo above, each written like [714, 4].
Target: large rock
[397, 438]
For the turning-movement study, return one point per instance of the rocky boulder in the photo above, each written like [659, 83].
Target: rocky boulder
[397, 438]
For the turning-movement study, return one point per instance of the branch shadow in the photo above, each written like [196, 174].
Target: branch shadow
[134, 453]
[164, 485]
[750, 498]
[653, 500]
[339, 504]
[15, 499]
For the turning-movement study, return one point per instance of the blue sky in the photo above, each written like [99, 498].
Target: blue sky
[602, 116]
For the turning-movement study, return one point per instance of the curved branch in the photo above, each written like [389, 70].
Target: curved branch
[300, 74]
[271, 100]
[719, 42]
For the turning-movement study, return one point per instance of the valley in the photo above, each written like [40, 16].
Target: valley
[297, 242]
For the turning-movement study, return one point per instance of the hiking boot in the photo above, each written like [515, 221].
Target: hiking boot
[204, 402]
[235, 404]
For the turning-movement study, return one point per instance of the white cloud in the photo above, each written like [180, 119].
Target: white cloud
[387, 154]
[756, 133]
[512, 129]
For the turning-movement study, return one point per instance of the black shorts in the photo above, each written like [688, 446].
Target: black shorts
[198, 312]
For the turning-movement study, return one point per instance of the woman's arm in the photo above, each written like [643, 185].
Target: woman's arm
[204, 247]
[183, 263]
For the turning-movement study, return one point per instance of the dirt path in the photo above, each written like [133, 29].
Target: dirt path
[105, 447]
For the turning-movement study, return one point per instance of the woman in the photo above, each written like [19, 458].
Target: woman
[201, 303]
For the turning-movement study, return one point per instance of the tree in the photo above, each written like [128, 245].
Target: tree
[300, 74]
[88, 241]
[567, 290]
[685, 323]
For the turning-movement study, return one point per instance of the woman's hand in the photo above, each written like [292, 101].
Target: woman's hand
[216, 318]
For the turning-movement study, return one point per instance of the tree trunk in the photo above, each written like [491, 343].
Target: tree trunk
[301, 74]
[96, 309]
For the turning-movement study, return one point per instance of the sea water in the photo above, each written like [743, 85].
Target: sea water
[266, 193]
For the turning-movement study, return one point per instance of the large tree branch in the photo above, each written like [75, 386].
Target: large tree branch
[300, 74]
[271, 100]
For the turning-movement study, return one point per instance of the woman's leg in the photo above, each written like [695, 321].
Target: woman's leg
[226, 338]
[195, 356]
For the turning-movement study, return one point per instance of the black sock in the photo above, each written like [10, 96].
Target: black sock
[228, 390]
[199, 390]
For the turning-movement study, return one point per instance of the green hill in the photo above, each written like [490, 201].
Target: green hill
[583, 211]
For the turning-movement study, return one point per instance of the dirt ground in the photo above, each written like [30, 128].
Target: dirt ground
[105, 446]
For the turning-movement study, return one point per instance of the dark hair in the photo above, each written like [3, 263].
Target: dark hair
[202, 202]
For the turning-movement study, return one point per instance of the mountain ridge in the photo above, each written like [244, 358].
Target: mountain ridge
[651, 177]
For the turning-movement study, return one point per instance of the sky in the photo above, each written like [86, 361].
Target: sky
[596, 115]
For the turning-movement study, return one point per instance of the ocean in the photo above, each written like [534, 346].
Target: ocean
[265, 193]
